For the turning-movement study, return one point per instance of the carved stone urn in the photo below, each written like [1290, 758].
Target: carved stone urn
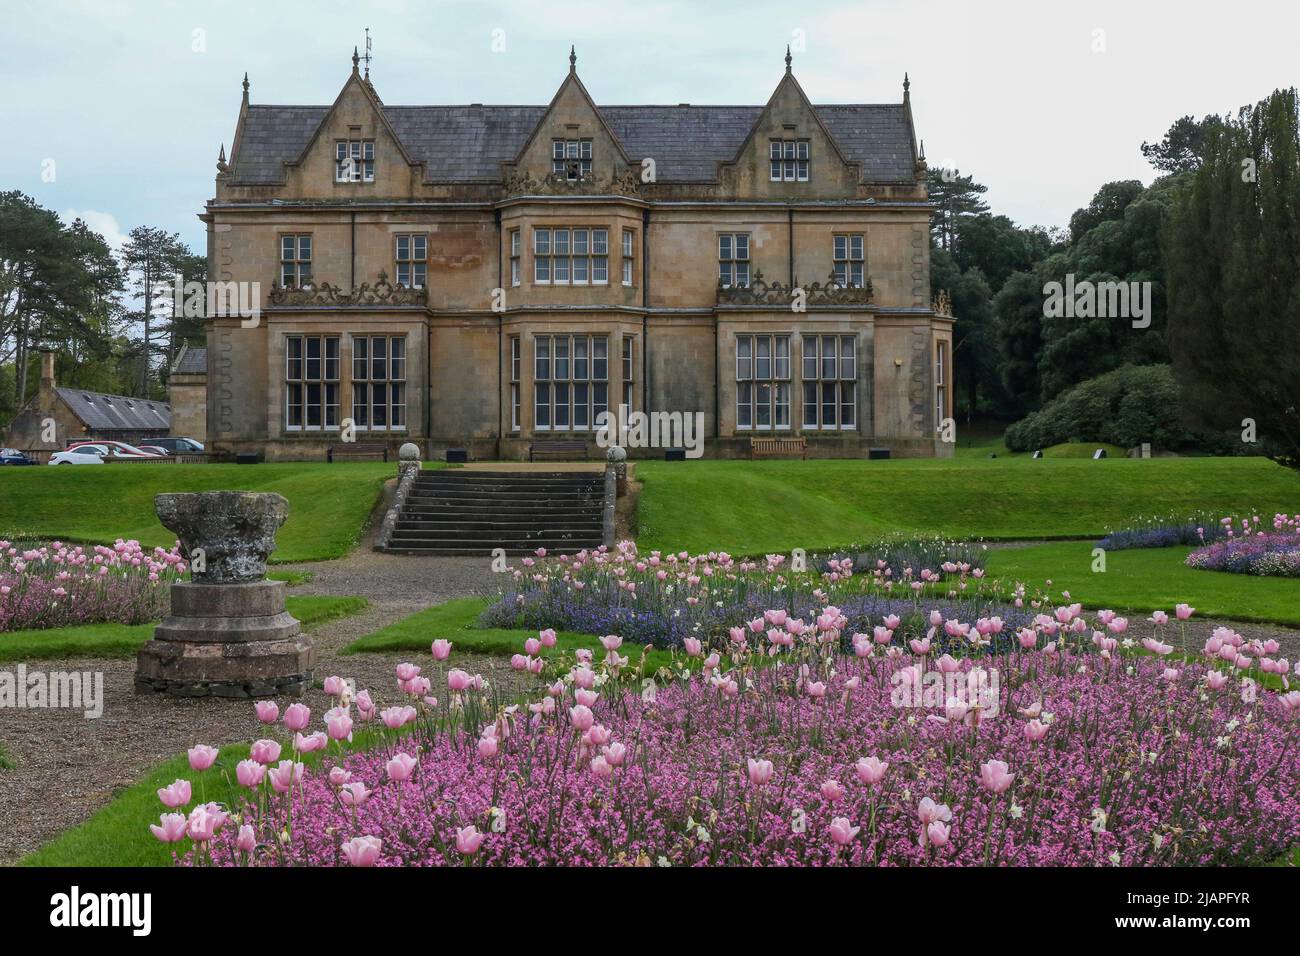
[228, 633]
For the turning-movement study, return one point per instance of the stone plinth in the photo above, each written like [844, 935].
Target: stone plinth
[228, 633]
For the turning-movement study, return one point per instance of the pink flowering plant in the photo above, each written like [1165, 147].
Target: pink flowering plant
[58, 585]
[773, 746]
[1253, 546]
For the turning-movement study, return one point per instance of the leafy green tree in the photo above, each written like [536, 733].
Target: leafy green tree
[1233, 249]
[1107, 205]
[1182, 147]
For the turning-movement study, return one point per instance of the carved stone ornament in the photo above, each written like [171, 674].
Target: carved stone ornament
[382, 292]
[762, 292]
[558, 184]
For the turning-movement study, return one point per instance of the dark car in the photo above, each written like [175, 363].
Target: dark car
[12, 456]
[177, 446]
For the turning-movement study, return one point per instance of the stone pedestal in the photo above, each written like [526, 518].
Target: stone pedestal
[228, 633]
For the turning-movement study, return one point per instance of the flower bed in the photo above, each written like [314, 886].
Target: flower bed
[1065, 752]
[57, 585]
[661, 599]
[1271, 555]
[1193, 532]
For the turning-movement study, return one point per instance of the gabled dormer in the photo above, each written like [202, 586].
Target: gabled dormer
[352, 153]
[789, 152]
[571, 143]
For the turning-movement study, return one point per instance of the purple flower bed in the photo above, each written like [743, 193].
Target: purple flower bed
[1272, 555]
[1193, 532]
[663, 599]
[57, 585]
[1068, 757]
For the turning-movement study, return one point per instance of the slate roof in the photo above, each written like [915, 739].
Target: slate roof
[191, 361]
[108, 412]
[467, 143]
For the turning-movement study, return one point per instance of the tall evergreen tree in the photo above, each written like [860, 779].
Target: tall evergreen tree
[153, 258]
[1233, 250]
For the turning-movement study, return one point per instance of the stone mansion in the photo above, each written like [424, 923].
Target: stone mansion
[484, 277]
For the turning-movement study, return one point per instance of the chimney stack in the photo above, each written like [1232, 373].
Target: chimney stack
[47, 369]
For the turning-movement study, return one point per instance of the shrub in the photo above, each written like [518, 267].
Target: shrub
[1126, 407]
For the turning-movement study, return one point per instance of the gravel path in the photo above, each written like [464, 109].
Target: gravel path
[67, 766]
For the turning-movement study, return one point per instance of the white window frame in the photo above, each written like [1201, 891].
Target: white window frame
[734, 265]
[763, 390]
[571, 158]
[299, 379]
[362, 154]
[411, 258]
[561, 253]
[834, 375]
[848, 259]
[789, 160]
[295, 259]
[391, 377]
[570, 381]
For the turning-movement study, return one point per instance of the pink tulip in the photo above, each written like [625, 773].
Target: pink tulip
[265, 751]
[202, 757]
[202, 824]
[831, 790]
[353, 794]
[692, 646]
[247, 840]
[816, 689]
[441, 649]
[842, 831]
[285, 774]
[532, 646]
[937, 833]
[587, 698]
[249, 773]
[172, 829]
[871, 770]
[1035, 730]
[333, 686]
[297, 717]
[310, 743]
[400, 768]
[468, 840]
[339, 725]
[994, 776]
[339, 776]
[362, 850]
[458, 680]
[928, 811]
[1157, 618]
[1184, 611]
[611, 642]
[582, 717]
[176, 794]
[487, 747]
[547, 637]
[600, 766]
[760, 771]
[615, 754]
[268, 712]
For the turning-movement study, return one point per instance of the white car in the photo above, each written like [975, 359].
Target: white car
[85, 455]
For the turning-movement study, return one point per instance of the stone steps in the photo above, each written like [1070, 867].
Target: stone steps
[467, 513]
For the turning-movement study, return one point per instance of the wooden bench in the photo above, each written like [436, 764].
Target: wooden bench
[357, 450]
[767, 447]
[557, 448]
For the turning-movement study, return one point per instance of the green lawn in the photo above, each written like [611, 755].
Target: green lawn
[123, 640]
[1148, 579]
[751, 508]
[456, 621]
[328, 504]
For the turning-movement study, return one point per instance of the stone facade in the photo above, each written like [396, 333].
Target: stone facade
[187, 393]
[492, 340]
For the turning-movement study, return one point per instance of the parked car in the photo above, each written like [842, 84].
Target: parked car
[114, 449]
[178, 446]
[155, 450]
[12, 456]
[81, 455]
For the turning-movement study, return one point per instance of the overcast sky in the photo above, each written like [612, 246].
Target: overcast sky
[1042, 100]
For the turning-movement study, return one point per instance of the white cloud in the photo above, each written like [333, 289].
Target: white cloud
[104, 223]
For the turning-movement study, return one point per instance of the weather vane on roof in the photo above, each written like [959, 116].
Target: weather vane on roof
[367, 56]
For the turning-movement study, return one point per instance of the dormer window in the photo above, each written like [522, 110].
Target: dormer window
[354, 161]
[571, 158]
[789, 160]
